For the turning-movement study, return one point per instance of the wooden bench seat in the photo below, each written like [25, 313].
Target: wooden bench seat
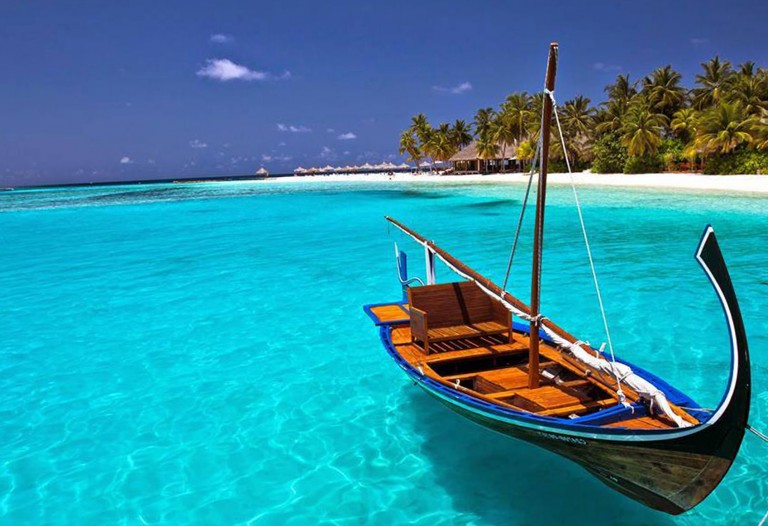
[465, 331]
[453, 311]
[477, 352]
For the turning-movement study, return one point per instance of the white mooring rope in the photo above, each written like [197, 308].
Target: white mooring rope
[757, 433]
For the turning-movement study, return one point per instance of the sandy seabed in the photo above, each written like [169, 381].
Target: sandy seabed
[757, 184]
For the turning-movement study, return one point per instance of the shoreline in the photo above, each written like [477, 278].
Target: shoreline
[755, 184]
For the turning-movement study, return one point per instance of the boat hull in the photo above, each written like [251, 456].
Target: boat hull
[669, 477]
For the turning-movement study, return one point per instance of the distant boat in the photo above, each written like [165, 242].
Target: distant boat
[262, 172]
[536, 382]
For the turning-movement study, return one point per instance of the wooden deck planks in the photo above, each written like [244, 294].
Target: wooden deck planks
[391, 313]
[510, 383]
[508, 378]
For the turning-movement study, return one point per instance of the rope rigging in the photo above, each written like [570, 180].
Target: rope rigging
[586, 242]
[522, 213]
[537, 158]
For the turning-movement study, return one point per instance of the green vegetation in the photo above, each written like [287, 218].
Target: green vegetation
[719, 126]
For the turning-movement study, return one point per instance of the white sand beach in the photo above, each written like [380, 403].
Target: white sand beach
[756, 184]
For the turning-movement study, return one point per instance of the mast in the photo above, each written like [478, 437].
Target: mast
[538, 235]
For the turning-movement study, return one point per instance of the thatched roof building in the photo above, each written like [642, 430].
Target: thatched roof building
[467, 160]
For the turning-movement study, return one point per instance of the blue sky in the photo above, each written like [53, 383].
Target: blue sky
[99, 91]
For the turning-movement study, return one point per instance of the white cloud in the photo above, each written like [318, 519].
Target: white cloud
[293, 129]
[268, 157]
[699, 41]
[198, 144]
[454, 90]
[126, 160]
[327, 153]
[150, 161]
[282, 143]
[220, 38]
[330, 130]
[347, 136]
[606, 68]
[224, 70]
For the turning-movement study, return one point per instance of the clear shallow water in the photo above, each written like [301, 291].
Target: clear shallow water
[178, 354]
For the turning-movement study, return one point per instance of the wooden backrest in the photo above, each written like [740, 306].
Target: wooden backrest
[447, 304]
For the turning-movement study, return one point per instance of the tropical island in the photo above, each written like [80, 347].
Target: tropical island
[654, 124]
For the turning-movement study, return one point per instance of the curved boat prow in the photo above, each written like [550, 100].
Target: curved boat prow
[733, 410]
[720, 437]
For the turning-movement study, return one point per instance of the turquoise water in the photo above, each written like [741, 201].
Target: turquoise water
[197, 354]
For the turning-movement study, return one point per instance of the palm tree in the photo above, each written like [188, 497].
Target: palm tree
[440, 146]
[712, 84]
[503, 132]
[724, 128]
[761, 136]
[622, 89]
[578, 117]
[536, 102]
[747, 69]
[421, 127]
[664, 90]
[578, 124]
[750, 88]
[487, 148]
[684, 124]
[642, 129]
[610, 117]
[526, 150]
[461, 134]
[408, 144]
[611, 114]
[517, 111]
[483, 119]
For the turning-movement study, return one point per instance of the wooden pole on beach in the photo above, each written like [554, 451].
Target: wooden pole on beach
[538, 235]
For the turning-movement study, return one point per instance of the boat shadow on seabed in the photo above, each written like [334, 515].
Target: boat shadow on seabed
[511, 482]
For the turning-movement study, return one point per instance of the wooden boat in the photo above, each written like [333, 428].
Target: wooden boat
[534, 381]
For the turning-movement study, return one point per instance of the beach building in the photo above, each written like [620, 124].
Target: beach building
[468, 160]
